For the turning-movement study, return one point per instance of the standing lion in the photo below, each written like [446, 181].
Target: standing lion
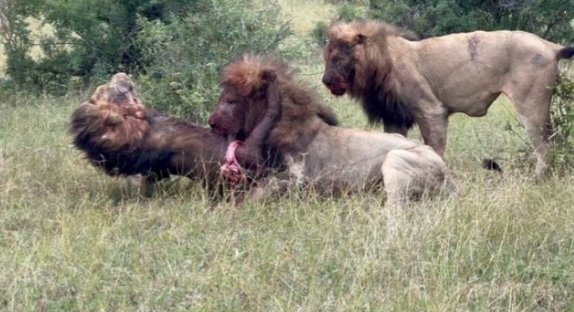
[401, 82]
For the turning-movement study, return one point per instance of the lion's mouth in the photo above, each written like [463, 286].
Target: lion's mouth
[241, 135]
[219, 131]
[338, 89]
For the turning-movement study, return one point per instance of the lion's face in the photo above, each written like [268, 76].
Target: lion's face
[228, 119]
[122, 90]
[244, 99]
[236, 115]
[339, 66]
[119, 95]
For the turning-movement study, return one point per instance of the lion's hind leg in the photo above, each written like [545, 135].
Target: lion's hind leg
[409, 174]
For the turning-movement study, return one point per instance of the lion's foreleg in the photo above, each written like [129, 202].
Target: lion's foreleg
[434, 131]
[145, 184]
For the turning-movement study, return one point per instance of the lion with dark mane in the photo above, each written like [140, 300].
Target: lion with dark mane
[401, 82]
[318, 153]
[118, 134]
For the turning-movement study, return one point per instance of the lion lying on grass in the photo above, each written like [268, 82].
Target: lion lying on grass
[317, 153]
[401, 82]
[122, 137]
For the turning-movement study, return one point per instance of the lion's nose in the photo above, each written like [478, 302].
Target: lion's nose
[327, 80]
[211, 121]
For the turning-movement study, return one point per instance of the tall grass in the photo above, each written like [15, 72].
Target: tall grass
[73, 239]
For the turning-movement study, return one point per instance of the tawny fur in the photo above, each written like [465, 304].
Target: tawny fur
[324, 156]
[400, 81]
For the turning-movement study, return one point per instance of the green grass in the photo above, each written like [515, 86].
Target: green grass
[74, 239]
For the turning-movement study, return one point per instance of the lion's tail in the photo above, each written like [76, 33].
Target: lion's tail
[491, 164]
[565, 53]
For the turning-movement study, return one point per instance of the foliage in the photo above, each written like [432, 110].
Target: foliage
[562, 115]
[185, 55]
[319, 33]
[91, 38]
[547, 18]
[345, 12]
[94, 38]
[348, 12]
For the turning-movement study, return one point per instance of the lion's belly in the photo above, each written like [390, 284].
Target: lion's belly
[350, 158]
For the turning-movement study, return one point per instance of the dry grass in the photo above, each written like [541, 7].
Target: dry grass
[72, 238]
[304, 14]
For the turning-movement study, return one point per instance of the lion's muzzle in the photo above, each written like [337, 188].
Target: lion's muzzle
[336, 85]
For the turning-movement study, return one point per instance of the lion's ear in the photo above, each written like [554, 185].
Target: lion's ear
[360, 39]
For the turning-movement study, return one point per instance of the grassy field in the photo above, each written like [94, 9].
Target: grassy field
[73, 239]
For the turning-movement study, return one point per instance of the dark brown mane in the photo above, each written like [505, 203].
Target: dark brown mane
[300, 107]
[374, 82]
[113, 142]
[123, 137]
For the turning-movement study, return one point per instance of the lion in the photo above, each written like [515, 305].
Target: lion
[118, 134]
[316, 152]
[402, 82]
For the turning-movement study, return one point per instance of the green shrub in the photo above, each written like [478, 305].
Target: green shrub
[91, 38]
[549, 19]
[319, 33]
[562, 114]
[178, 45]
[345, 12]
[186, 54]
[348, 12]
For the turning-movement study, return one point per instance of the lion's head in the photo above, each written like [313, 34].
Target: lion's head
[352, 50]
[112, 118]
[243, 100]
[246, 93]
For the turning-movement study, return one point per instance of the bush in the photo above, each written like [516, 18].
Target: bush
[178, 45]
[346, 12]
[91, 38]
[549, 19]
[319, 33]
[186, 54]
[562, 115]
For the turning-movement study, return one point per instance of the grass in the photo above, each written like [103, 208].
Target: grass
[304, 14]
[72, 238]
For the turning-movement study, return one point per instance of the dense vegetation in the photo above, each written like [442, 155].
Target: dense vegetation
[177, 47]
[551, 19]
